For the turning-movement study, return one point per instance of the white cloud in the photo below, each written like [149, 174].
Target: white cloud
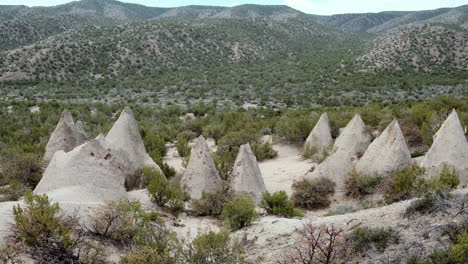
[328, 7]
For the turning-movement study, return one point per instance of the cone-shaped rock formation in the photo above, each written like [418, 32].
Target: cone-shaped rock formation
[320, 136]
[354, 138]
[201, 174]
[387, 153]
[126, 136]
[246, 175]
[352, 142]
[449, 147]
[66, 136]
[88, 173]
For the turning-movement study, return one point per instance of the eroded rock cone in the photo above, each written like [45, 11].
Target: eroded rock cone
[66, 136]
[320, 136]
[89, 173]
[80, 132]
[246, 175]
[126, 136]
[201, 174]
[354, 138]
[387, 153]
[351, 143]
[450, 148]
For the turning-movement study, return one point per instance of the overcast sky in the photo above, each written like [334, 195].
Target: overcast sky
[320, 7]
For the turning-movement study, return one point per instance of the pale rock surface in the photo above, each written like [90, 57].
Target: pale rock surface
[320, 136]
[246, 174]
[387, 153]
[66, 136]
[350, 144]
[125, 135]
[201, 174]
[450, 147]
[90, 173]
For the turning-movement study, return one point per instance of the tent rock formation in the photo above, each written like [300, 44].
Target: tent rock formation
[246, 175]
[89, 173]
[320, 136]
[450, 147]
[201, 174]
[387, 153]
[66, 136]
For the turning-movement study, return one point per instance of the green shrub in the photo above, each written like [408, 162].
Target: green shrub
[211, 203]
[309, 152]
[215, 248]
[405, 184]
[23, 168]
[358, 185]
[364, 238]
[183, 147]
[12, 191]
[313, 194]
[93, 253]
[278, 203]
[155, 144]
[150, 255]
[239, 212]
[264, 151]
[164, 193]
[447, 180]
[41, 227]
[294, 126]
[121, 221]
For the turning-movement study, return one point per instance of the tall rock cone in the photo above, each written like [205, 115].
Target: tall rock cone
[201, 174]
[355, 138]
[350, 144]
[65, 137]
[320, 136]
[246, 175]
[387, 153]
[80, 132]
[126, 136]
[449, 148]
[88, 173]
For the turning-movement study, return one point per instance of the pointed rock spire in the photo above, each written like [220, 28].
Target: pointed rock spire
[126, 136]
[66, 137]
[201, 174]
[450, 147]
[90, 172]
[387, 153]
[80, 131]
[320, 136]
[352, 142]
[354, 138]
[246, 175]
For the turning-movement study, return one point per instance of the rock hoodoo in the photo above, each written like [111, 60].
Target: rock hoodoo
[450, 147]
[246, 175]
[387, 153]
[125, 135]
[66, 136]
[351, 143]
[201, 174]
[89, 173]
[320, 136]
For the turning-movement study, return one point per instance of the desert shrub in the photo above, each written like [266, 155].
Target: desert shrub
[182, 145]
[358, 185]
[46, 233]
[423, 206]
[264, 151]
[327, 245]
[23, 168]
[165, 193]
[405, 184]
[212, 203]
[215, 248]
[214, 131]
[93, 253]
[121, 221]
[278, 203]
[294, 126]
[155, 144]
[446, 180]
[150, 255]
[224, 163]
[12, 191]
[309, 151]
[313, 194]
[239, 212]
[364, 238]
[454, 230]
[342, 209]
[9, 254]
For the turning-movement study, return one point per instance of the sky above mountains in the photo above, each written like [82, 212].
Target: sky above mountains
[319, 7]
